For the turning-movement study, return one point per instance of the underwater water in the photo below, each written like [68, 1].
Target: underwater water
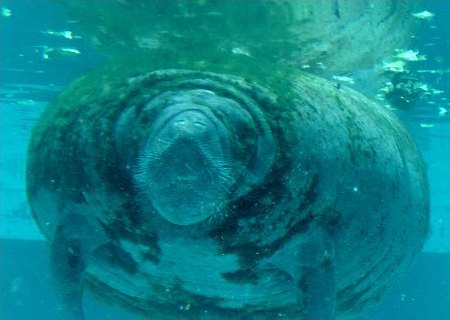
[41, 53]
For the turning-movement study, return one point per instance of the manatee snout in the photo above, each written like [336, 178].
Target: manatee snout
[187, 167]
[206, 143]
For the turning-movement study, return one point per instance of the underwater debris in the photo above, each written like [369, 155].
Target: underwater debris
[434, 71]
[321, 65]
[394, 66]
[64, 34]
[430, 91]
[410, 55]
[423, 15]
[442, 111]
[404, 90]
[241, 50]
[50, 53]
[151, 43]
[6, 12]
[344, 79]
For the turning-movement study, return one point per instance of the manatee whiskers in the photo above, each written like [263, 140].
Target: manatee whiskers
[183, 175]
[221, 170]
[154, 152]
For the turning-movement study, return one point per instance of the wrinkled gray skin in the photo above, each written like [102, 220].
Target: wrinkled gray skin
[189, 195]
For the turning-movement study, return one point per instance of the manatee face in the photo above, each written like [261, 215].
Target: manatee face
[186, 167]
[203, 148]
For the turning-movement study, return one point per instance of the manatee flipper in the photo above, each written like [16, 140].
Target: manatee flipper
[309, 259]
[67, 266]
[316, 290]
[75, 239]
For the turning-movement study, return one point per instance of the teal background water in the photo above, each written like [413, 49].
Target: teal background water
[29, 81]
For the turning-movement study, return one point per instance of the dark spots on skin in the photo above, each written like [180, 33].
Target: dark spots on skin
[309, 196]
[150, 255]
[330, 218]
[74, 256]
[123, 222]
[114, 255]
[257, 216]
[117, 178]
[391, 13]
[250, 205]
[249, 210]
[152, 252]
[358, 149]
[298, 227]
[336, 9]
[251, 252]
[129, 225]
[241, 276]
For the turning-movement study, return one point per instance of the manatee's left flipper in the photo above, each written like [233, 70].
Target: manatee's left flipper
[309, 259]
[75, 238]
[67, 266]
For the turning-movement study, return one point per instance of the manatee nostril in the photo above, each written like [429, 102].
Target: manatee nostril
[190, 121]
[199, 124]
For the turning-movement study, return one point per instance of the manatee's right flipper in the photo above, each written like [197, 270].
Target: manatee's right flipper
[75, 238]
[316, 290]
[309, 259]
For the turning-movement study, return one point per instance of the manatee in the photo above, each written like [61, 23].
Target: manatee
[217, 193]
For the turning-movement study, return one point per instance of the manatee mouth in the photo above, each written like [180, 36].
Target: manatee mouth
[188, 172]
[206, 143]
